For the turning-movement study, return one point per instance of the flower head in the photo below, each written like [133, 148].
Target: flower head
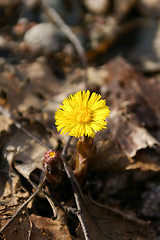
[82, 114]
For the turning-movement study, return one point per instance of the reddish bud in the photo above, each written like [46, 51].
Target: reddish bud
[52, 164]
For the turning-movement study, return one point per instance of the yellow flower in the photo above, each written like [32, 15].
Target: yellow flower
[82, 114]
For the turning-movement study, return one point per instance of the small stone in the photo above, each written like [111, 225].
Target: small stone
[44, 36]
[97, 7]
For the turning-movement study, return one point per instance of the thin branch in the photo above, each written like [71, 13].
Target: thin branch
[78, 197]
[65, 209]
[56, 18]
[65, 149]
[24, 205]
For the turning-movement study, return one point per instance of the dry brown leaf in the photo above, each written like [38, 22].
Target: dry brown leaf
[14, 192]
[37, 234]
[135, 115]
[52, 229]
[29, 86]
[19, 228]
[5, 123]
[29, 153]
[144, 166]
[109, 157]
[106, 224]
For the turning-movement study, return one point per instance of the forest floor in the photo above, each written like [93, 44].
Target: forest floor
[49, 50]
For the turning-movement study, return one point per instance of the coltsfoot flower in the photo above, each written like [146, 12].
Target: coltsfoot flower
[82, 114]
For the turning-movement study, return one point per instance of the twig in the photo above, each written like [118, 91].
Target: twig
[65, 209]
[77, 195]
[49, 199]
[65, 149]
[19, 126]
[23, 205]
[56, 18]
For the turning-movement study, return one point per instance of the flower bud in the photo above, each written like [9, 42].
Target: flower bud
[53, 167]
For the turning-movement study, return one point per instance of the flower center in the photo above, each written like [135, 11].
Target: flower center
[84, 115]
[52, 154]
